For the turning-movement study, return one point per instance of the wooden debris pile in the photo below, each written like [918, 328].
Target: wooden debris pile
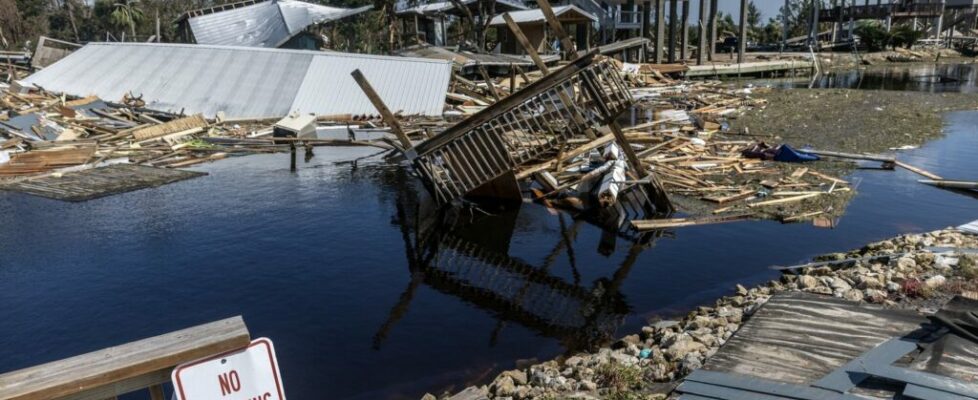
[42, 132]
[702, 167]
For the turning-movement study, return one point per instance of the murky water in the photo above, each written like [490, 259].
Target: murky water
[366, 298]
[923, 77]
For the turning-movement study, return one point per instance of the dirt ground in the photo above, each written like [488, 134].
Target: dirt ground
[855, 121]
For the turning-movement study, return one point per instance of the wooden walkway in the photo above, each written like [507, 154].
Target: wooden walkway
[99, 182]
[799, 338]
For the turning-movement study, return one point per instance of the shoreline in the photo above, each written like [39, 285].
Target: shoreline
[893, 273]
[650, 362]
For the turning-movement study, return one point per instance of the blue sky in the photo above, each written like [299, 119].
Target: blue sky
[769, 8]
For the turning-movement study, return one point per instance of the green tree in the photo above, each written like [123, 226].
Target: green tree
[127, 13]
[905, 36]
[872, 34]
[753, 21]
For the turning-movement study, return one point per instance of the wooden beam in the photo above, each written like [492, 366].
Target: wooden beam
[485, 77]
[558, 29]
[520, 37]
[382, 108]
[917, 171]
[152, 357]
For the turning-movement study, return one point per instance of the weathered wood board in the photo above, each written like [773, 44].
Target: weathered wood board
[100, 182]
[799, 338]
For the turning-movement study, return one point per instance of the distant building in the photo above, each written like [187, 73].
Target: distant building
[260, 23]
[429, 22]
[576, 22]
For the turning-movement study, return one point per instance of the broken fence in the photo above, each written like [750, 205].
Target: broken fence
[521, 127]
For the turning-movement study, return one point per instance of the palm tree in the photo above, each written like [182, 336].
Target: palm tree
[127, 13]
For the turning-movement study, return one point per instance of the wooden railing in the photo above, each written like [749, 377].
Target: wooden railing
[107, 373]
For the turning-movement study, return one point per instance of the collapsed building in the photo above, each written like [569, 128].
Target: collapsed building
[242, 82]
[261, 23]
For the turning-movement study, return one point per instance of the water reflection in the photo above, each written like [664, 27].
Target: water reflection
[932, 78]
[467, 257]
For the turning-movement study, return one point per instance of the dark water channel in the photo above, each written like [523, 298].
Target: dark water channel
[923, 77]
[365, 298]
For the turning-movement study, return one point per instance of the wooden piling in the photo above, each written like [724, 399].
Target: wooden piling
[644, 7]
[702, 29]
[660, 30]
[712, 27]
[684, 34]
[742, 41]
[385, 113]
[292, 151]
[673, 19]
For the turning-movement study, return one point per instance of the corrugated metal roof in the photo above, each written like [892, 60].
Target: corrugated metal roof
[446, 6]
[258, 25]
[411, 86]
[268, 24]
[246, 82]
[535, 15]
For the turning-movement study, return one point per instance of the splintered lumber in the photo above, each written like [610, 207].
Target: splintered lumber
[827, 177]
[99, 182]
[45, 160]
[868, 157]
[917, 171]
[382, 108]
[734, 197]
[784, 200]
[800, 217]
[601, 141]
[177, 125]
[651, 224]
[950, 184]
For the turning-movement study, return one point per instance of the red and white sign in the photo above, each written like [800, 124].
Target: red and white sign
[249, 374]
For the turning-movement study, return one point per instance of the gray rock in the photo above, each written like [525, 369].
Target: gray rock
[853, 295]
[588, 385]
[935, 281]
[518, 376]
[624, 359]
[691, 362]
[471, 393]
[699, 322]
[681, 348]
[503, 386]
[807, 282]
[893, 287]
[906, 263]
[839, 284]
[741, 290]
[428, 396]
[573, 361]
[666, 324]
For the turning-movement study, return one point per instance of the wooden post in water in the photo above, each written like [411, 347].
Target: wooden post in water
[292, 151]
[660, 30]
[385, 113]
